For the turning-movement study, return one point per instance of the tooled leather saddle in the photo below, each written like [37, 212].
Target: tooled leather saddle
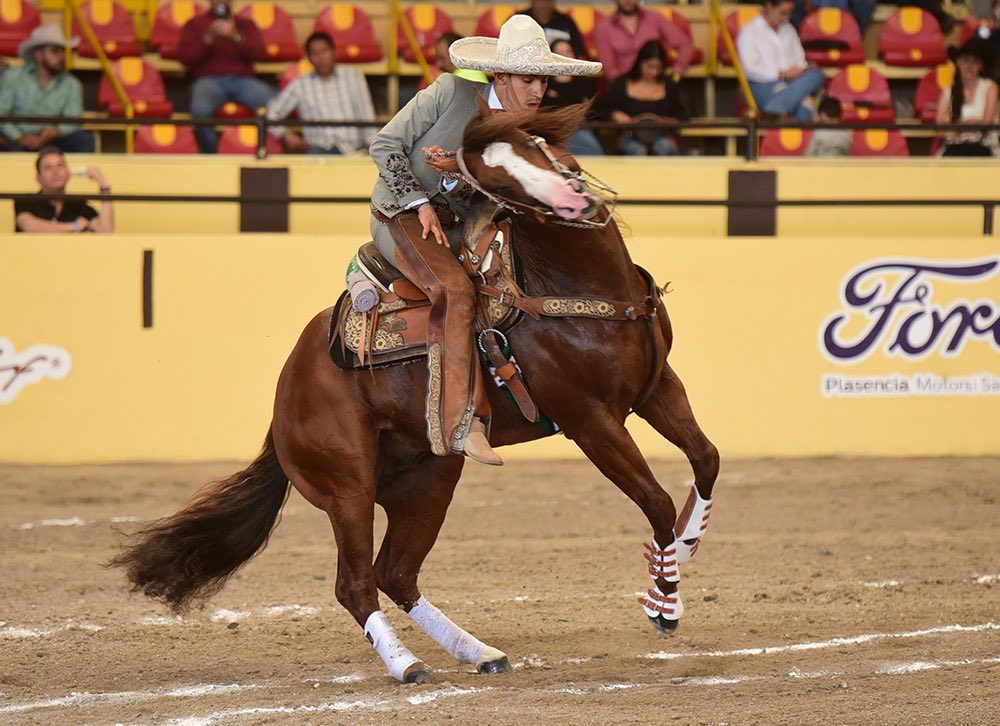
[395, 330]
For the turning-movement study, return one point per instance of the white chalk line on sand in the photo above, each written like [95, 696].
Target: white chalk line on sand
[375, 704]
[91, 699]
[74, 522]
[833, 643]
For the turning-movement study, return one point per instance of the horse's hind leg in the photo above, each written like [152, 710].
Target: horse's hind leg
[669, 412]
[415, 502]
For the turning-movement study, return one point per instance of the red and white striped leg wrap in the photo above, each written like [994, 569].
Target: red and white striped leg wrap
[662, 562]
[691, 525]
[657, 604]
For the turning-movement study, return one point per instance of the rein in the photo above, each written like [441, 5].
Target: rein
[585, 178]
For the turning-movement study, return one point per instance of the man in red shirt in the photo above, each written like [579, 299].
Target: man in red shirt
[619, 36]
[219, 50]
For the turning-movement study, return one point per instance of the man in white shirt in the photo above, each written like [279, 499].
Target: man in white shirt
[327, 93]
[775, 63]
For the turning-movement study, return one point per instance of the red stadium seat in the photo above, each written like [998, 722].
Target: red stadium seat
[831, 37]
[929, 89]
[864, 94]
[352, 32]
[231, 109]
[586, 19]
[143, 85]
[17, 19]
[114, 27]
[970, 27]
[785, 142]
[685, 27]
[911, 37]
[878, 142]
[276, 28]
[243, 140]
[428, 22]
[735, 20]
[167, 24]
[488, 24]
[165, 139]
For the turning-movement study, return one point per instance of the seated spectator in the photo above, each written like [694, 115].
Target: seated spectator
[58, 215]
[647, 95]
[557, 26]
[327, 93]
[568, 90]
[775, 63]
[619, 36]
[972, 100]
[42, 87]
[830, 141]
[442, 59]
[219, 50]
[990, 32]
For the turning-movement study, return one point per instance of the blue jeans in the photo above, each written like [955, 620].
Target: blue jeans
[76, 142]
[321, 150]
[663, 146]
[210, 92]
[785, 97]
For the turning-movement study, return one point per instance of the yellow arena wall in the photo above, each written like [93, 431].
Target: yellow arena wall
[81, 380]
[749, 312]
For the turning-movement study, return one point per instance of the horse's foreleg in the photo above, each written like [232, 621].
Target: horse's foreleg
[669, 412]
[415, 502]
[609, 445]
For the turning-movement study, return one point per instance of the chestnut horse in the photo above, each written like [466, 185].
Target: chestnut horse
[350, 440]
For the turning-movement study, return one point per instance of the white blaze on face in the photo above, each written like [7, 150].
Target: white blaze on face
[546, 186]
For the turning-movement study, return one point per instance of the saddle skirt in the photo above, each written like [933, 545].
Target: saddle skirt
[395, 330]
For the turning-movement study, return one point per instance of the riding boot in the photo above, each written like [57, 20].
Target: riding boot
[477, 445]
[436, 271]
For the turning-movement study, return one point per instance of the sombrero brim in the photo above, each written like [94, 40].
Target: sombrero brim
[480, 54]
[28, 46]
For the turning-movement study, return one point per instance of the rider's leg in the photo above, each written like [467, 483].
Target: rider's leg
[451, 423]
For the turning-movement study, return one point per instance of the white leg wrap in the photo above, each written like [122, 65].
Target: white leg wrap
[396, 655]
[459, 644]
[691, 524]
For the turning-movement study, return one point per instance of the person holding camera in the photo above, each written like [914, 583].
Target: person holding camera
[219, 50]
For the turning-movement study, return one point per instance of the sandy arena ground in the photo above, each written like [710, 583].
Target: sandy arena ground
[827, 591]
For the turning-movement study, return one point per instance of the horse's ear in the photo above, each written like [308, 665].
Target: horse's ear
[484, 106]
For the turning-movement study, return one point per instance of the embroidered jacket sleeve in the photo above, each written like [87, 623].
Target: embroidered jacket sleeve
[392, 145]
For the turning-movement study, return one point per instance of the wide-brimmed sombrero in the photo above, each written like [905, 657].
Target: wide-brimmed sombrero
[48, 34]
[522, 49]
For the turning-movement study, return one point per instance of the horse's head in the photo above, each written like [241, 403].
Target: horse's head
[516, 159]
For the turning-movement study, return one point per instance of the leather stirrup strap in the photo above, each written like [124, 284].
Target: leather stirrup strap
[507, 372]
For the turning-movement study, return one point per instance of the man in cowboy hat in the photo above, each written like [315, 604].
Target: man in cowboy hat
[42, 87]
[410, 201]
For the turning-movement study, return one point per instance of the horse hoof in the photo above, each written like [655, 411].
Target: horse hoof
[662, 624]
[420, 676]
[500, 665]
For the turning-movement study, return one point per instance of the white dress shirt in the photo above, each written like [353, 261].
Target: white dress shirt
[764, 53]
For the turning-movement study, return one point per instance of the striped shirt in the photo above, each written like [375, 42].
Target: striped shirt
[344, 96]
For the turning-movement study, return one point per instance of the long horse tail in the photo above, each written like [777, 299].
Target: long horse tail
[188, 556]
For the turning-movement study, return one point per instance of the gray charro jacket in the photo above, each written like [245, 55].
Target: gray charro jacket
[436, 116]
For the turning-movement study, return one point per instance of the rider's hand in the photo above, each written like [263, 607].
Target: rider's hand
[430, 223]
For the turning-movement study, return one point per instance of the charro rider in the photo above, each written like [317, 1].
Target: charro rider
[417, 216]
